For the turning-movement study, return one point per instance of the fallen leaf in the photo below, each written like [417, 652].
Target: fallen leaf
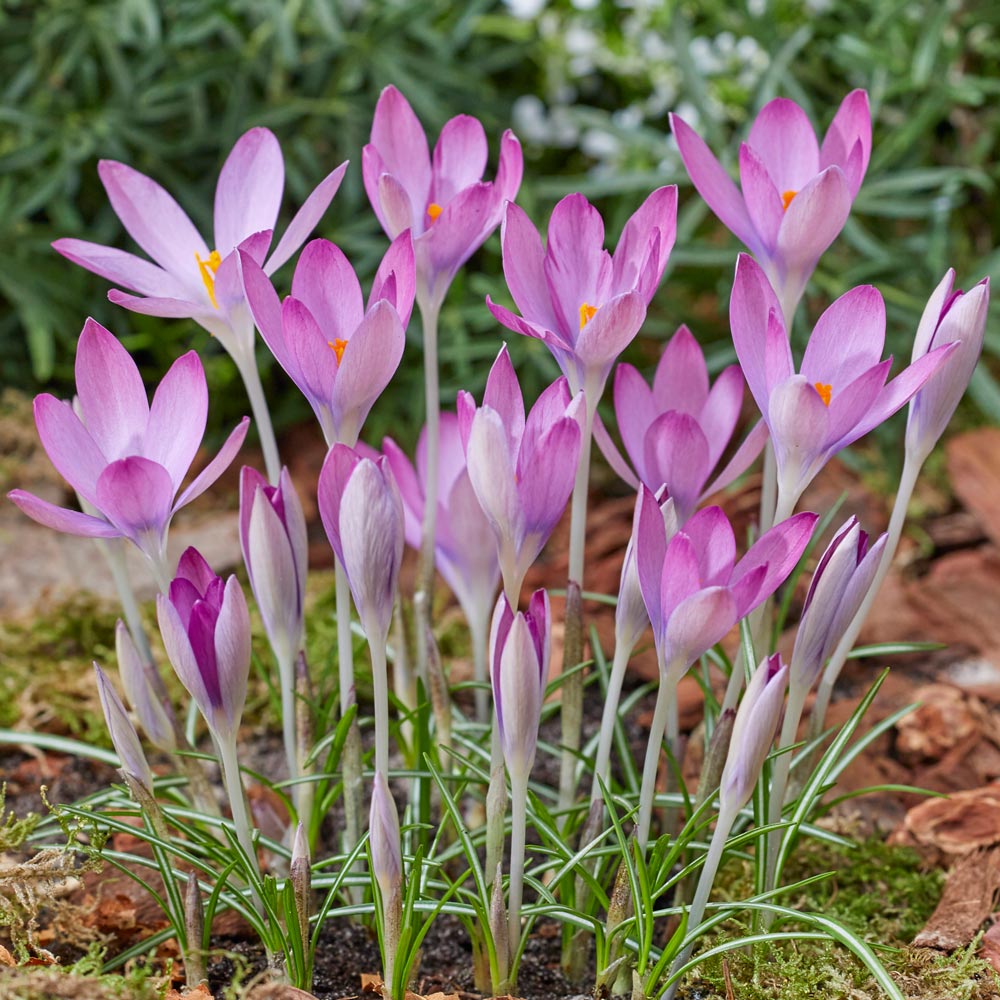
[956, 826]
[969, 896]
[990, 948]
[6, 958]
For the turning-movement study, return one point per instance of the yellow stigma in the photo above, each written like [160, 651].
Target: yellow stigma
[208, 268]
[337, 346]
[786, 198]
[825, 391]
[434, 210]
[587, 313]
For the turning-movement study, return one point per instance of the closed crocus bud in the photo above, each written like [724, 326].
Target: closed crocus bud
[155, 717]
[384, 839]
[206, 631]
[362, 513]
[839, 585]
[519, 665]
[753, 733]
[949, 316]
[135, 767]
[275, 549]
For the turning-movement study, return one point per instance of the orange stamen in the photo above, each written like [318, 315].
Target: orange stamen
[208, 268]
[337, 346]
[825, 391]
[786, 198]
[587, 313]
[434, 210]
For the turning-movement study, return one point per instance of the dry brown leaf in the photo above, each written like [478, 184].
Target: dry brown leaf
[6, 958]
[956, 826]
[199, 992]
[968, 899]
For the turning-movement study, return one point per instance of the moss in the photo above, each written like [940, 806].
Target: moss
[881, 893]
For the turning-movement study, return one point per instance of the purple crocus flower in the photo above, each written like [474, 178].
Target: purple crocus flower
[444, 202]
[384, 839]
[205, 626]
[695, 590]
[123, 456]
[464, 550]
[676, 431]
[957, 317]
[339, 354]
[585, 304]
[796, 194]
[519, 669]
[125, 739]
[155, 716]
[275, 550]
[362, 513]
[840, 392]
[185, 278]
[522, 471]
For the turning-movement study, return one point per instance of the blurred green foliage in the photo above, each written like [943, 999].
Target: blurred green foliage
[169, 86]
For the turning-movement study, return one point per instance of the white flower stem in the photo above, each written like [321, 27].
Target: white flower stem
[515, 888]
[286, 678]
[238, 805]
[247, 367]
[665, 694]
[380, 685]
[479, 635]
[611, 700]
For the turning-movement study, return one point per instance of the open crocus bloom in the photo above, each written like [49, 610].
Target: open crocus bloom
[796, 194]
[186, 277]
[840, 392]
[444, 202]
[522, 471]
[676, 430]
[694, 588]
[340, 354]
[585, 304]
[125, 457]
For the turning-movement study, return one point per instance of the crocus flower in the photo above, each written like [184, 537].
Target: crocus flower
[796, 194]
[155, 716]
[676, 430]
[339, 354]
[185, 278]
[695, 590]
[840, 392]
[384, 839]
[522, 471]
[275, 550]
[585, 304]
[123, 735]
[948, 317]
[444, 202]
[519, 668]
[123, 456]
[205, 626]
[839, 584]
[362, 513]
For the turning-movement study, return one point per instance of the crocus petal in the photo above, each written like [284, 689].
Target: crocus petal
[400, 140]
[799, 422]
[721, 412]
[657, 214]
[492, 474]
[168, 308]
[181, 655]
[850, 404]
[681, 379]
[456, 234]
[847, 339]
[851, 128]
[69, 445]
[398, 268]
[123, 735]
[680, 575]
[650, 549]
[713, 183]
[152, 218]
[232, 651]
[273, 573]
[123, 268]
[524, 267]
[812, 221]
[135, 494]
[930, 318]
[777, 551]
[561, 348]
[611, 453]
[410, 490]
[193, 568]
[305, 219]
[552, 405]
[459, 158]
[395, 205]
[336, 471]
[312, 361]
[714, 543]
[609, 332]
[676, 454]
[503, 394]
[248, 194]
[783, 138]
[546, 479]
[510, 169]
[217, 466]
[696, 625]
[636, 407]
[752, 302]
[72, 522]
[763, 201]
[742, 459]
[326, 284]
[177, 417]
[266, 308]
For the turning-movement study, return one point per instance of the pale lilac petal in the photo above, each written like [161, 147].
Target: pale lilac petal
[312, 359]
[763, 200]
[714, 544]
[451, 454]
[777, 551]
[248, 194]
[112, 398]
[396, 278]
[177, 417]
[656, 216]
[546, 479]
[551, 406]
[612, 328]
[326, 284]
[410, 490]
[783, 138]
[847, 339]
[713, 183]
[635, 409]
[272, 569]
[470, 564]
[611, 453]
[396, 207]
[217, 466]
[850, 403]
[136, 494]
[799, 423]
[338, 467]
[250, 480]
[372, 168]
[721, 412]
[680, 574]
[72, 522]
[401, 143]
[650, 549]
[560, 348]
[851, 128]
[265, 306]
[306, 218]
[676, 455]
[510, 169]
[69, 445]
[232, 651]
[459, 158]
[930, 318]
[503, 394]
[456, 234]
[492, 474]
[681, 379]
[778, 363]
[523, 267]
[153, 219]
[813, 220]
[751, 303]
[123, 268]
[164, 308]
[696, 625]
[742, 459]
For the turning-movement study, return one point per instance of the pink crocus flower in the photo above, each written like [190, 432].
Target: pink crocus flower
[676, 430]
[796, 193]
[340, 354]
[187, 278]
[949, 316]
[125, 457]
[585, 304]
[840, 392]
[522, 470]
[443, 201]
